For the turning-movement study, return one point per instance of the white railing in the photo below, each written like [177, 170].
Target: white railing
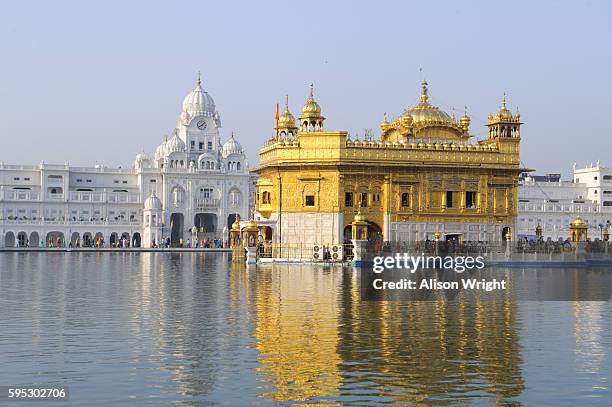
[206, 203]
[44, 222]
[20, 196]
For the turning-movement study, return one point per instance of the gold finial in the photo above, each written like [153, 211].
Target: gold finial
[312, 90]
[504, 101]
[199, 82]
[385, 115]
[287, 102]
[424, 96]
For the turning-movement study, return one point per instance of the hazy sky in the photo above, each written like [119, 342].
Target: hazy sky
[86, 83]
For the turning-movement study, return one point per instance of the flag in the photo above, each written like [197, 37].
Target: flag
[276, 116]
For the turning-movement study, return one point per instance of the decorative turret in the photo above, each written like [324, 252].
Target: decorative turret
[503, 123]
[464, 122]
[286, 122]
[311, 119]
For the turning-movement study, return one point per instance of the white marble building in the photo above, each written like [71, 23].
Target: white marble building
[554, 204]
[192, 180]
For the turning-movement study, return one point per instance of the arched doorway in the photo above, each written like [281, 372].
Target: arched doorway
[9, 239]
[87, 240]
[22, 239]
[75, 239]
[98, 240]
[347, 235]
[177, 220]
[206, 224]
[136, 240]
[34, 239]
[125, 240]
[266, 232]
[374, 231]
[113, 239]
[55, 239]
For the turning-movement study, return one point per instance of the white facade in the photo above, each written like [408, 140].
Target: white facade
[555, 204]
[197, 180]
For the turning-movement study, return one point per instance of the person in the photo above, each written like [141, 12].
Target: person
[188, 242]
[181, 242]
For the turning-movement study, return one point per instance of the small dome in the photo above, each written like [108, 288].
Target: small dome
[286, 119]
[160, 151]
[504, 113]
[175, 144]
[231, 146]
[311, 108]
[153, 203]
[199, 102]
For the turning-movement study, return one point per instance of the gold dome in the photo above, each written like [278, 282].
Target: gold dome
[236, 224]
[251, 226]
[578, 222]
[503, 112]
[286, 119]
[311, 108]
[424, 112]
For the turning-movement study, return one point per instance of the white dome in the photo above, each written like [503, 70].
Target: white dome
[175, 144]
[160, 151]
[198, 102]
[231, 146]
[153, 203]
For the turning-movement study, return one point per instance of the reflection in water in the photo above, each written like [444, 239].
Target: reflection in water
[193, 329]
[316, 340]
[297, 333]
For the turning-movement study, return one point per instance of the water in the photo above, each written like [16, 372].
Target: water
[188, 329]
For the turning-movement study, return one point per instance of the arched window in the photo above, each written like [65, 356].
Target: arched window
[237, 166]
[405, 201]
[177, 196]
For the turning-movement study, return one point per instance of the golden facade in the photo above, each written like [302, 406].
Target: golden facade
[424, 174]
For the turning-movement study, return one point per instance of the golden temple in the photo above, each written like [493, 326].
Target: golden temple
[424, 175]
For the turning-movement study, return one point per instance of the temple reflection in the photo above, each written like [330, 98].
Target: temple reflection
[297, 333]
[317, 339]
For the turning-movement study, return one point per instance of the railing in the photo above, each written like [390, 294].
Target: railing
[206, 203]
[17, 195]
[83, 196]
[43, 222]
[305, 252]
[123, 198]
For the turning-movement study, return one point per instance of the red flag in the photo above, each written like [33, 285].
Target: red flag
[276, 117]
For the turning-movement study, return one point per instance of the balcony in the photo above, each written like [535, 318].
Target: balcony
[206, 203]
[62, 222]
[20, 196]
[86, 196]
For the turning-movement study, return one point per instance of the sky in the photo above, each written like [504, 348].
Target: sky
[98, 82]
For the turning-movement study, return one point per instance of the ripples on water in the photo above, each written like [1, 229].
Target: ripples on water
[190, 329]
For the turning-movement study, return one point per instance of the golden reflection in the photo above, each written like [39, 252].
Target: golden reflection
[296, 330]
[317, 339]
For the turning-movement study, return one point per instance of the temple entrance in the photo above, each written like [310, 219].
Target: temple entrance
[87, 240]
[206, 224]
[177, 221]
[136, 240]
